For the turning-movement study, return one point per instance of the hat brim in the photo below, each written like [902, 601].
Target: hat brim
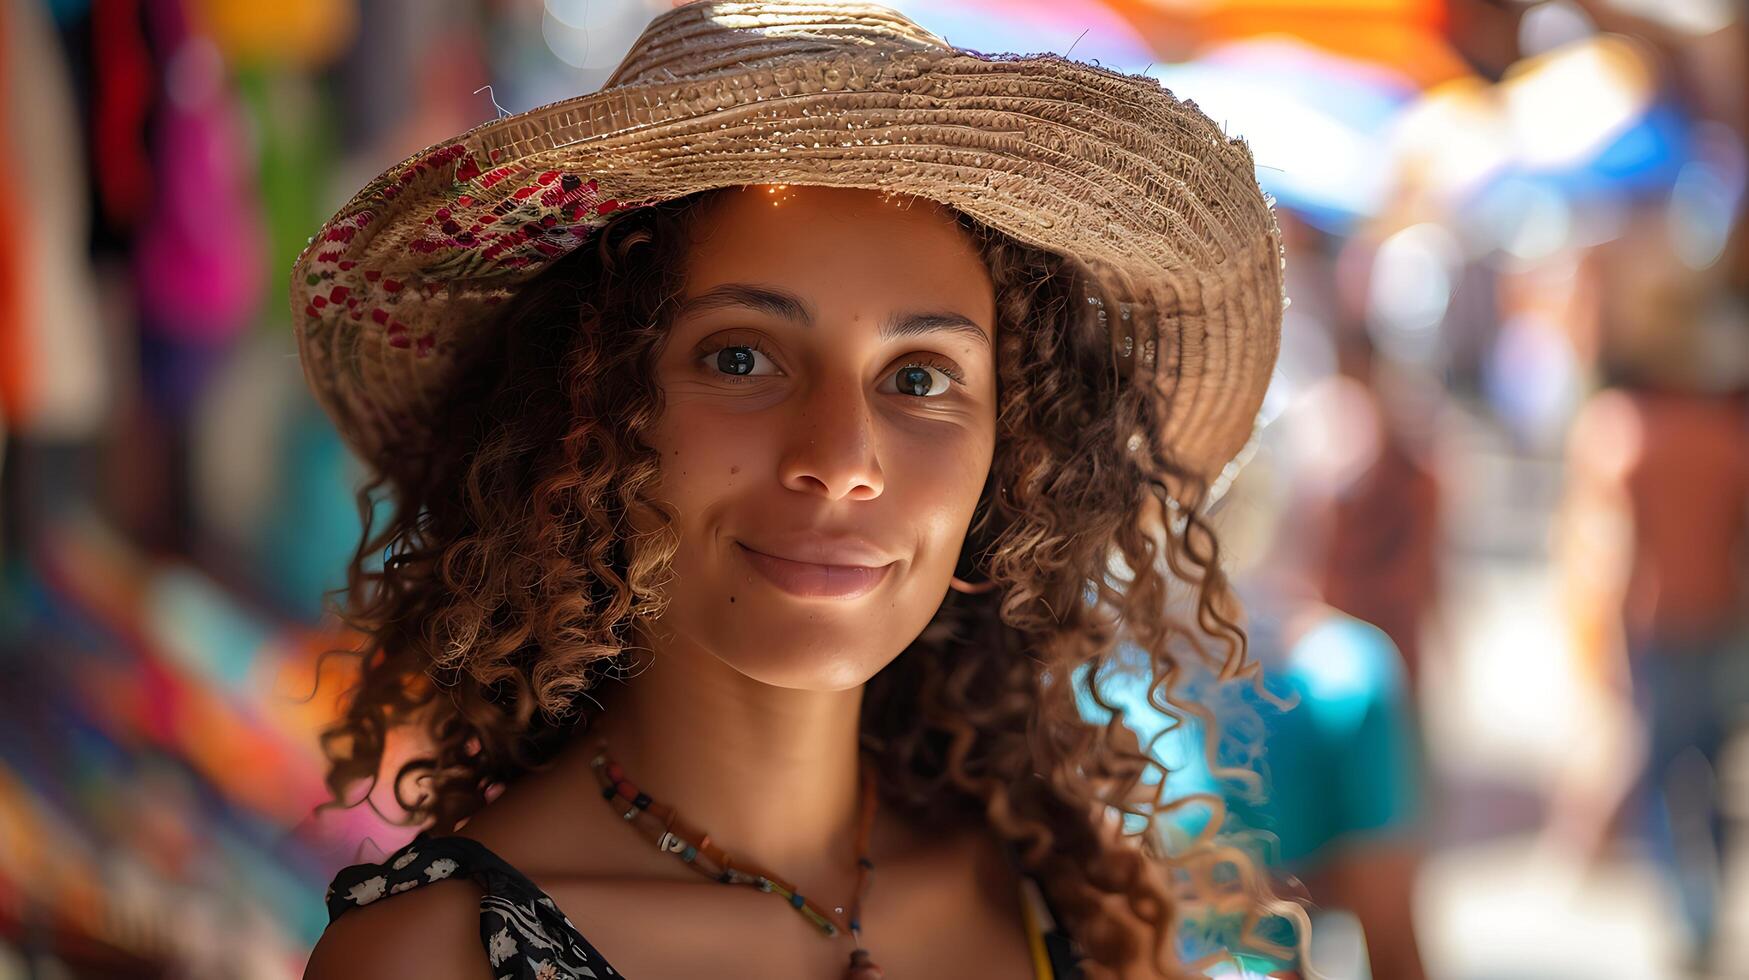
[1111, 169]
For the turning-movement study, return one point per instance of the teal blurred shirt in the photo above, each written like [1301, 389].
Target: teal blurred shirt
[1341, 762]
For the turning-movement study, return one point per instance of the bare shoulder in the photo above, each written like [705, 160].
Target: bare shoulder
[551, 822]
[432, 931]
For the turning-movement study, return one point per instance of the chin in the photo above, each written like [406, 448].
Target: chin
[804, 677]
[801, 664]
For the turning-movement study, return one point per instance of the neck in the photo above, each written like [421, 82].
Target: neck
[770, 773]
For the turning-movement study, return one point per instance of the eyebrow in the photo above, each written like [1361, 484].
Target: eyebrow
[788, 306]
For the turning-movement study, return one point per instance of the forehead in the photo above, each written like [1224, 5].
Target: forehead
[839, 244]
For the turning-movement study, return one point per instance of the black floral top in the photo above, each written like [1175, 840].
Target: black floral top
[527, 937]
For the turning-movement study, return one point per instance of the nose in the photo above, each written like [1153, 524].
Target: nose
[833, 452]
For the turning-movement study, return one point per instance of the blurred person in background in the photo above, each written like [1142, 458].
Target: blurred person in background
[1379, 509]
[1321, 772]
[1347, 797]
[1657, 541]
[1340, 591]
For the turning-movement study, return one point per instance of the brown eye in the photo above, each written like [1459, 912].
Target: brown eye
[734, 362]
[925, 380]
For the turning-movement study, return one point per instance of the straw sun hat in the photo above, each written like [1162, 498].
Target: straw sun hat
[394, 291]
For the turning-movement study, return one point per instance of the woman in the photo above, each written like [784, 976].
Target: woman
[767, 438]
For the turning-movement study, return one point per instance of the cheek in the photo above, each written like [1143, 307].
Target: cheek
[940, 492]
[704, 455]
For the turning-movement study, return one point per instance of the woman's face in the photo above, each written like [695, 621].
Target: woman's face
[830, 387]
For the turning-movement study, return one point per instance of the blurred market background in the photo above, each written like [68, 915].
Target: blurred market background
[1495, 528]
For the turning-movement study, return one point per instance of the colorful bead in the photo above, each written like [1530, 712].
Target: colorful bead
[688, 854]
[796, 900]
[642, 801]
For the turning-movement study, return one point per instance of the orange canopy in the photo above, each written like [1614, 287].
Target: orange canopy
[1407, 36]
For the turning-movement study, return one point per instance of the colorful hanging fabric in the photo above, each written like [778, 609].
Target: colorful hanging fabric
[54, 380]
[200, 259]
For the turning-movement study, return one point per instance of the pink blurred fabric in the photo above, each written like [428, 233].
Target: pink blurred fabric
[201, 257]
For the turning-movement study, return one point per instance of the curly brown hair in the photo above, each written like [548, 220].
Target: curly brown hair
[507, 586]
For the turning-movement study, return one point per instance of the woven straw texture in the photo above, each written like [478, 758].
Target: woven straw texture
[1112, 169]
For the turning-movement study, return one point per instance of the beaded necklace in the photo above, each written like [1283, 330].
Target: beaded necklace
[660, 825]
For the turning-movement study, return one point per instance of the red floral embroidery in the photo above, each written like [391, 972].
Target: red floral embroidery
[495, 176]
[531, 218]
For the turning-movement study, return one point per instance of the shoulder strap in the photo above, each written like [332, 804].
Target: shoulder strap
[422, 860]
[1056, 954]
[525, 934]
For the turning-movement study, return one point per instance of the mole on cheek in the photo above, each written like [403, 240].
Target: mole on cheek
[731, 598]
[733, 470]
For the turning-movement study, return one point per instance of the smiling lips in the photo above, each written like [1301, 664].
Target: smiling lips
[812, 580]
